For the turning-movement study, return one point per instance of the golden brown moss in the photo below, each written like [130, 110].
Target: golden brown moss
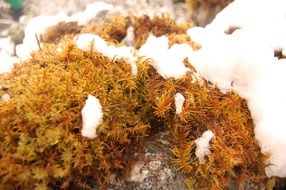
[235, 154]
[40, 142]
[113, 29]
[158, 26]
[54, 33]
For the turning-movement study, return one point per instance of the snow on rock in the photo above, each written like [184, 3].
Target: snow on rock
[179, 102]
[39, 24]
[203, 147]
[87, 42]
[91, 117]
[237, 53]
[169, 62]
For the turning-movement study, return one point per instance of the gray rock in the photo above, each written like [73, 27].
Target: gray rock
[153, 169]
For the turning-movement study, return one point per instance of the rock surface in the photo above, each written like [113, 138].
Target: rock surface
[153, 168]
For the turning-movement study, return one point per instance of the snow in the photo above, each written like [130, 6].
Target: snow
[6, 51]
[203, 147]
[6, 97]
[6, 46]
[244, 61]
[91, 117]
[39, 24]
[7, 62]
[179, 102]
[169, 62]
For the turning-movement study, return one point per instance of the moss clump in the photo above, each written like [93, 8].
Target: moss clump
[158, 26]
[41, 144]
[112, 29]
[235, 154]
[115, 27]
[40, 141]
[54, 33]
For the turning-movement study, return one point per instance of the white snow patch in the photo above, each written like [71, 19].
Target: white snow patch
[169, 62]
[36, 27]
[6, 97]
[6, 46]
[7, 62]
[203, 147]
[244, 61]
[39, 24]
[179, 102]
[87, 42]
[91, 117]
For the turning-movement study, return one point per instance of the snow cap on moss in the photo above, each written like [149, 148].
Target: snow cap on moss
[39, 24]
[203, 147]
[169, 62]
[91, 117]
[87, 42]
[237, 53]
[179, 102]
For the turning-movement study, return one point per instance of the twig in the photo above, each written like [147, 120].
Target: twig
[38, 41]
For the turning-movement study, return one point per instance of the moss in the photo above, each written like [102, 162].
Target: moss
[40, 142]
[54, 33]
[113, 29]
[158, 26]
[42, 122]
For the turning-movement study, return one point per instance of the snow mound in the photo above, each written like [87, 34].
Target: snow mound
[203, 147]
[169, 62]
[91, 117]
[238, 53]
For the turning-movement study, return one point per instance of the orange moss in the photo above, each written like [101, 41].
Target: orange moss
[54, 33]
[157, 26]
[235, 154]
[41, 144]
[40, 141]
[113, 29]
